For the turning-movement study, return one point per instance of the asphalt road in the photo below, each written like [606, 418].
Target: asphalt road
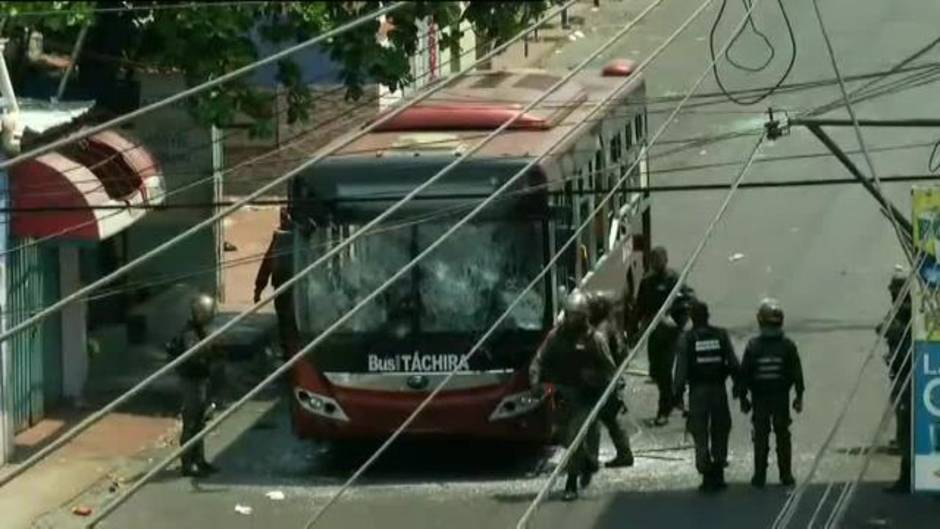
[825, 252]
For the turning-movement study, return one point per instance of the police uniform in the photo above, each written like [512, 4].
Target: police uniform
[769, 370]
[580, 366]
[610, 414]
[194, 375]
[898, 337]
[661, 346]
[706, 360]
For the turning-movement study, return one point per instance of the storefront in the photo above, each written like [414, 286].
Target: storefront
[71, 210]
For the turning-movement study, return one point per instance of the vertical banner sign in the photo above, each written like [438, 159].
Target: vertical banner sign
[926, 362]
[434, 65]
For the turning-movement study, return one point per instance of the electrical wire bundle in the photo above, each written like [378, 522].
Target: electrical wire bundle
[756, 98]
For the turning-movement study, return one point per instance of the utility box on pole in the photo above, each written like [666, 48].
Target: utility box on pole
[925, 366]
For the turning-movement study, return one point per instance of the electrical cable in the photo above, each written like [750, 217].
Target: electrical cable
[903, 240]
[901, 67]
[108, 508]
[790, 507]
[548, 266]
[896, 392]
[800, 182]
[595, 410]
[98, 415]
[202, 87]
[133, 8]
[773, 88]
[131, 265]
[785, 516]
[933, 163]
[444, 212]
[891, 404]
[341, 113]
[763, 36]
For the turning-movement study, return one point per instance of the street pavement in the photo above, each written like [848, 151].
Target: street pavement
[825, 252]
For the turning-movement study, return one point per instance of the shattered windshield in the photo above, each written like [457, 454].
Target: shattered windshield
[462, 286]
[476, 274]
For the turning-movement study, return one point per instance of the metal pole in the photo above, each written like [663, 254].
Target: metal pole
[217, 197]
[6, 363]
[822, 122]
[79, 42]
[857, 173]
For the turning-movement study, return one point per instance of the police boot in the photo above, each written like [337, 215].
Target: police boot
[624, 453]
[205, 467]
[708, 481]
[784, 464]
[760, 467]
[571, 488]
[719, 478]
[623, 459]
[189, 468]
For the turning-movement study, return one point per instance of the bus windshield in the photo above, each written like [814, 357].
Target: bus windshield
[461, 287]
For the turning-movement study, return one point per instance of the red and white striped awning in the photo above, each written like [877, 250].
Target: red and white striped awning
[89, 191]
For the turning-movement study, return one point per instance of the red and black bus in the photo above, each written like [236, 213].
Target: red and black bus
[366, 378]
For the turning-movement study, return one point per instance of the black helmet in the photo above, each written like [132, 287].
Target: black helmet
[897, 282]
[600, 303]
[577, 303]
[698, 311]
[770, 313]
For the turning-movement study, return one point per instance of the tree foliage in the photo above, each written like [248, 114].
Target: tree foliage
[204, 42]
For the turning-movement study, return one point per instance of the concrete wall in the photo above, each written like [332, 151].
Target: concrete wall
[330, 116]
[183, 150]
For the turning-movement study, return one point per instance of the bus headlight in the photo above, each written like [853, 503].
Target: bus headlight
[515, 405]
[320, 405]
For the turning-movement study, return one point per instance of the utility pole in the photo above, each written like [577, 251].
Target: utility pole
[12, 131]
[217, 196]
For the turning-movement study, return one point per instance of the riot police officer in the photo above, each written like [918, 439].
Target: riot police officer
[575, 359]
[898, 337]
[194, 376]
[601, 305]
[653, 292]
[705, 361]
[769, 370]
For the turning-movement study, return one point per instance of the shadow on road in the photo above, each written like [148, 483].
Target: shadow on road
[744, 507]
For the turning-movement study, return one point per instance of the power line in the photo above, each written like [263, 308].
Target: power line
[904, 241]
[785, 516]
[592, 416]
[203, 145]
[579, 438]
[388, 283]
[108, 508]
[901, 67]
[465, 358]
[133, 8]
[95, 417]
[185, 94]
[748, 6]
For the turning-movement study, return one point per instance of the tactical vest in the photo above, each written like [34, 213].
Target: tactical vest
[707, 360]
[770, 372]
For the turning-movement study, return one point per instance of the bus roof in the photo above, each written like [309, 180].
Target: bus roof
[458, 117]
